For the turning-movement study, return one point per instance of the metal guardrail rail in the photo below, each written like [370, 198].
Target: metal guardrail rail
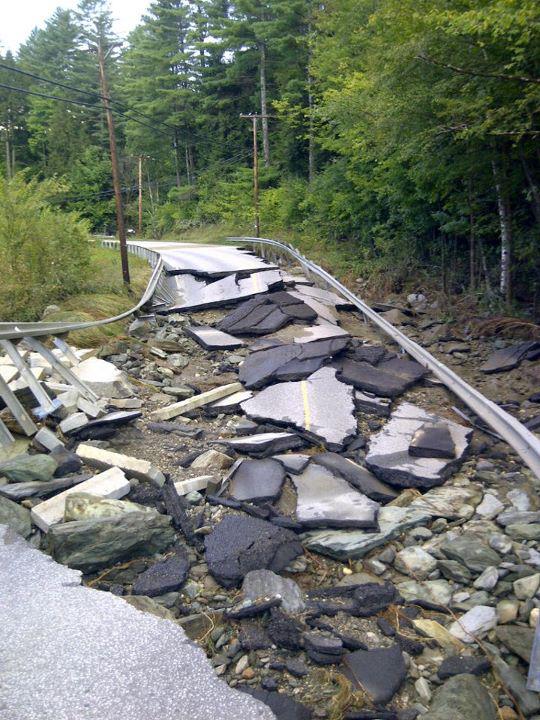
[522, 440]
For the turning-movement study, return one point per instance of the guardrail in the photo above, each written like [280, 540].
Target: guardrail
[522, 440]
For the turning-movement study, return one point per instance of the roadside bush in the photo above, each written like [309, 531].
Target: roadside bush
[44, 252]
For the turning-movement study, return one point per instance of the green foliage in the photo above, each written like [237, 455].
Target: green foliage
[43, 252]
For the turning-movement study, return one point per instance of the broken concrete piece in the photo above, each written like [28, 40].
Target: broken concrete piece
[357, 476]
[212, 339]
[183, 487]
[73, 422]
[389, 459]
[257, 481]
[321, 406]
[140, 469]
[379, 672]
[45, 438]
[239, 544]
[265, 314]
[324, 500]
[197, 401]
[433, 440]
[264, 444]
[104, 378]
[510, 357]
[288, 362]
[109, 484]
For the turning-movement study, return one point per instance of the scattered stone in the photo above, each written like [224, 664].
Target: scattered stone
[432, 592]
[21, 491]
[433, 440]
[526, 587]
[103, 378]
[45, 438]
[487, 580]
[415, 561]
[212, 459]
[257, 480]
[510, 357]
[109, 484]
[84, 506]
[285, 631]
[389, 459]
[457, 665]
[467, 549]
[462, 697]
[517, 639]
[434, 630]
[521, 531]
[24, 468]
[490, 507]
[265, 583]
[140, 469]
[527, 701]
[89, 545]
[253, 637]
[445, 501]
[296, 667]
[239, 544]
[475, 623]
[163, 577]
[507, 611]
[324, 500]
[372, 598]
[378, 672]
[423, 690]
[15, 517]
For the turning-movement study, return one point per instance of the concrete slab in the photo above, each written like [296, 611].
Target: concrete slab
[212, 339]
[389, 459]
[327, 297]
[325, 500]
[93, 656]
[133, 467]
[171, 411]
[109, 484]
[320, 406]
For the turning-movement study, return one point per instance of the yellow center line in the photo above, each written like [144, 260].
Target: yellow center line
[305, 400]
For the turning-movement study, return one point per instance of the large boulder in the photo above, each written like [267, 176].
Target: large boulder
[463, 697]
[24, 468]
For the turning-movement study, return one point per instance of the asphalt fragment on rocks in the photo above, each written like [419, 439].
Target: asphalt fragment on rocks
[257, 480]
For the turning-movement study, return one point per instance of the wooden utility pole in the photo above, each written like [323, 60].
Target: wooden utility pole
[114, 163]
[140, 196]
[255, 118]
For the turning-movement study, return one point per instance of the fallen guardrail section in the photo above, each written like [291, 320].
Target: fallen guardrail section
[522, 440]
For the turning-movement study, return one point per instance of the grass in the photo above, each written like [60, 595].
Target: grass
[103, 296]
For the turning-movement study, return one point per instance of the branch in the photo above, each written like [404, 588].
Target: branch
[464, 71]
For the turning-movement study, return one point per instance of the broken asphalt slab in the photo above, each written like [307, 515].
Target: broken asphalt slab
[265, 314]
[257, 481]
[240, 543]
[510, 357]
[211, 339]
[264, 444]
[389, 379]
[357, 476]
[389, 459]
[121, 662]
[320, 407]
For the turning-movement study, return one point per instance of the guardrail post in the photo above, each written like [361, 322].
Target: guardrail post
[45, 402]
[16, 409]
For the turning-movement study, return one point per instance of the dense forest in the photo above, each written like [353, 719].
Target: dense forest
[404, 132]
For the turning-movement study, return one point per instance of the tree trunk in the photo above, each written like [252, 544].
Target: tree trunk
[533, 187]
[266, 143]
[489, 291]
[505, 222]
[311, 139]
[472, 283]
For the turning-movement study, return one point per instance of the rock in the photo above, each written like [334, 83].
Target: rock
[517, 639]
[296, 667]
[519, 531]
[265, 583]
[445, 501]
[433, 440]
[239, 544]
[72, 423]
[490, 507]
[265, 444]
[25, 468]
[378, 672]
[500, 543]
[436, 631]
[389, 459]
[454, 570]
[257, 480]
[283, 707]
[89, 545]
[212, 459]
[15, 517]
[526, 587]
[415, 561]
[20, 491]
[103, 378]
[510, 357]
[527, 701]
[357, 476]
[372, 598]
[487, 580]
[46, 439]
[458, 665]
[304, 406]
[132, 467]
[438, 592]
[163, 577]
[139, 328]
[285, 631]
[253, 637]
[507, 611]
[423, 690]
[476, 622]
[519, 499]
[67, 462]
[324, 500]
[354, 544]
[462, 697]
[85, 506]
[516, 517]
[146, 604]
[468, 550]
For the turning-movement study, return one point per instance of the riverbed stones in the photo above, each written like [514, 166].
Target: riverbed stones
[89, 545]
[389, 459]
[25, 468]
[103, 378]
[163, 577]
[462, 697]
[475, 623]
[239, 544]
[357, 476]
[415, 561]
[265, 583]
[526, 587]
[517, 639]
[471, 552]
[320, 407]
[257, 480]
[379, 672]
[15, 516]
[446, 501]
[458, 665]
[354, 544]
[288, 362]
[324, 500]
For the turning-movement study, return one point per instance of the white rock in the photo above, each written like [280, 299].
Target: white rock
[212, 458]
[533, 617]
[47, 439]
[109, 484]
[183, 487]
[415, 561]
[133, 467]
[519, 499]
[475, 622]
[526, 587]
[422, 688]
[73, 422]
[490, 507]
[488, 579]
[507, 611]
[242, 664]
[104, 378]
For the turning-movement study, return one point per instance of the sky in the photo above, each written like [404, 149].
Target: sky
[19, 17]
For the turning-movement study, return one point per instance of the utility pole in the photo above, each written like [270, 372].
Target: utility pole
[140, 196]
[114, 162]
[255, 118]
